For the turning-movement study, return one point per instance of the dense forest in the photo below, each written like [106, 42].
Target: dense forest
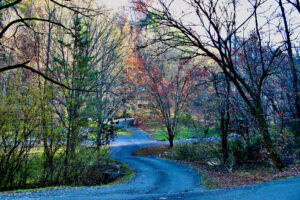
[69, 70]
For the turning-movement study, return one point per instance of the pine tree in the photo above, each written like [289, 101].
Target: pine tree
[79, 76]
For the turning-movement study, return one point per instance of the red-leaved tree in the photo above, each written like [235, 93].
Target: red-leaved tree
[167, 84]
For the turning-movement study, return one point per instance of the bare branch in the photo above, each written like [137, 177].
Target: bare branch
[10, 4]
[31, 19]
[24, 66]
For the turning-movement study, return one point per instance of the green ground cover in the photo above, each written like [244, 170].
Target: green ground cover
[157, 131]
[86, 168]
[124, 132]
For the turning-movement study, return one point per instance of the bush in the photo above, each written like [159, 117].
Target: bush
[253, 151]
[96, 173]
[287, 148]
[247, 152]
[201, 152]
[84, 169]
[85, 163]
[185, 152]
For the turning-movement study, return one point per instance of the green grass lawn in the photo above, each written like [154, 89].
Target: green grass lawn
[213, 132]
[159, 132]
[118, 131]
[124, 132]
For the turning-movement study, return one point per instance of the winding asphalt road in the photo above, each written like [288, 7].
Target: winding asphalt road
[161, 179]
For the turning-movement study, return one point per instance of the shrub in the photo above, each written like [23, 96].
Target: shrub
[287, 148]
[201, 152]
[246, 152]
[185, 152]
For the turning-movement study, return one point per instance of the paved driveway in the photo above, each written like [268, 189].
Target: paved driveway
[161, 179]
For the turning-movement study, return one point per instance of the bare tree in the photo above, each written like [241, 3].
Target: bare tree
[223, 92]
[18, 20]
[295, 3]
[213, 35]
[168, 82]
[108, 60]
[288, 35]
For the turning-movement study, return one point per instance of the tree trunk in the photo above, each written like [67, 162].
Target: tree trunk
[263, 127]
[258, 113]
[99, 134]
[171, 139]
[226, 120]
[295, 90]
[66, 161]
[224, 135]
[67, 155]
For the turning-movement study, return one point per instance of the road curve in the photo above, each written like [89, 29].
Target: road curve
[161, 179]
